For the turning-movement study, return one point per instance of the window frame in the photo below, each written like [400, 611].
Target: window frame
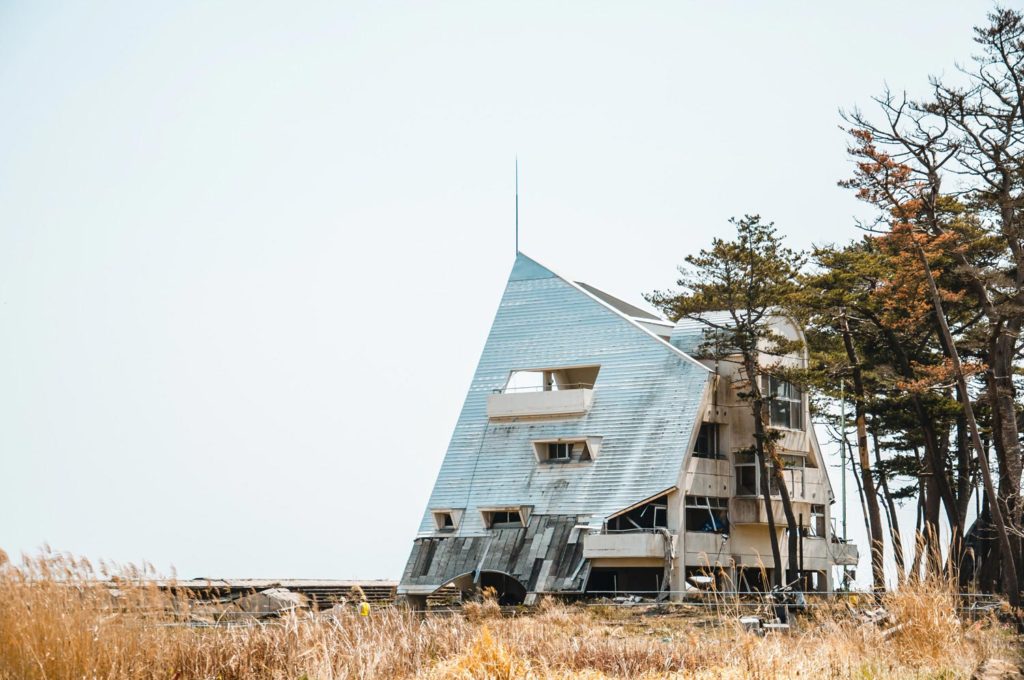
[490, 516]
[658, 507]
[454, 515]
[778, 392]
[704, 510]
[818, 524]
[560, 451]
[795, 477]
[711, 433]
[580, 449]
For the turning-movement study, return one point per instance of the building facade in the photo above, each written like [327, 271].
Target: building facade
[595, 454]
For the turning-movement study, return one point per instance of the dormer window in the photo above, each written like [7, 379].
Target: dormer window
[567, 450]
[446, 520]
[505, 518]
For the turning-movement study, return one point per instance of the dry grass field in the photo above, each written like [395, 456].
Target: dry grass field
[58, 622]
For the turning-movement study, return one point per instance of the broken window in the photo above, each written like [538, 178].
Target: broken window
[748, 476]
[706, 445]
[793, 479]
[552, 379]
[648, 516]
[786, 403]
[707, 514]
[505, 518]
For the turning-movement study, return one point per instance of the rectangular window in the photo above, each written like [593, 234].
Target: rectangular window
[559, 451]
[817, 527]
[748, 477]
[793, 478]
[707, 442]
[785, 403]
[707, 514]
[567, 450]
[746, 480]
[503, 519]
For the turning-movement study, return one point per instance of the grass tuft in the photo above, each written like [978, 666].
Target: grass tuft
[63, 618]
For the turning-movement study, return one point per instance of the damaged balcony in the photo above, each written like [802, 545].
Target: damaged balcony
[752, 511]
[627, 544]
[636, 532]
[544, 393]
[845, 554]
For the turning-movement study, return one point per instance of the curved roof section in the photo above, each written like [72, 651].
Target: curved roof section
[690, 334]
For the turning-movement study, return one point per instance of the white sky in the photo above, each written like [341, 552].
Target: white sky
[250, 252]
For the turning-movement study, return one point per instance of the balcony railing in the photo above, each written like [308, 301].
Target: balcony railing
[539, 403]
[632, 544]
[845, 554]
[541, 388]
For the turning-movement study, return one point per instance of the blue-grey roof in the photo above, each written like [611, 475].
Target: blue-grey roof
[646, 406]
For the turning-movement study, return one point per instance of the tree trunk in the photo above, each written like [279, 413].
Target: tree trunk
[877, 534]
[1010, 572]
[895, 536]
[760, 435]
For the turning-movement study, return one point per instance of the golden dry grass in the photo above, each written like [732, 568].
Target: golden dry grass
[58, 622]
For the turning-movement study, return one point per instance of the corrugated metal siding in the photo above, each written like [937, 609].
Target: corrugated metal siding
[646, 403]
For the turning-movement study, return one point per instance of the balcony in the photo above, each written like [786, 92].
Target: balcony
[573, 401]
[845, 554]
[751, 510]
[625, 544]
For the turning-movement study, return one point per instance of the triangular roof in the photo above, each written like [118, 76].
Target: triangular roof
[526, 268]
[645, 407]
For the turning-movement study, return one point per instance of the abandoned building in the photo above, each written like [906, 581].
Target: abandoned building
[595, 454]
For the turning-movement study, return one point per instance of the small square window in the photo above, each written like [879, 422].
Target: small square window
[446, 520]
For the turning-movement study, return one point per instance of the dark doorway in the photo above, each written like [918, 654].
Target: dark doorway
[609, 582]
[754, 579]
[510, 591]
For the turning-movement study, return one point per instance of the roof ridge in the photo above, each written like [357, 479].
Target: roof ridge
[616, 311]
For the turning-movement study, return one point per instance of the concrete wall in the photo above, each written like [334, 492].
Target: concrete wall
[748, 542]
[539, 404]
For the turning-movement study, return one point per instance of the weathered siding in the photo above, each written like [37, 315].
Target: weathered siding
[543, 556]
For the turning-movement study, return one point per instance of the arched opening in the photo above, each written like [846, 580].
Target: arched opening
[508, 590]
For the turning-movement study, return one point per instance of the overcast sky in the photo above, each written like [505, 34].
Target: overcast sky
[250, 252]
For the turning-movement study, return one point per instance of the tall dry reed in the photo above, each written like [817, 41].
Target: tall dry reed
[60, 618]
